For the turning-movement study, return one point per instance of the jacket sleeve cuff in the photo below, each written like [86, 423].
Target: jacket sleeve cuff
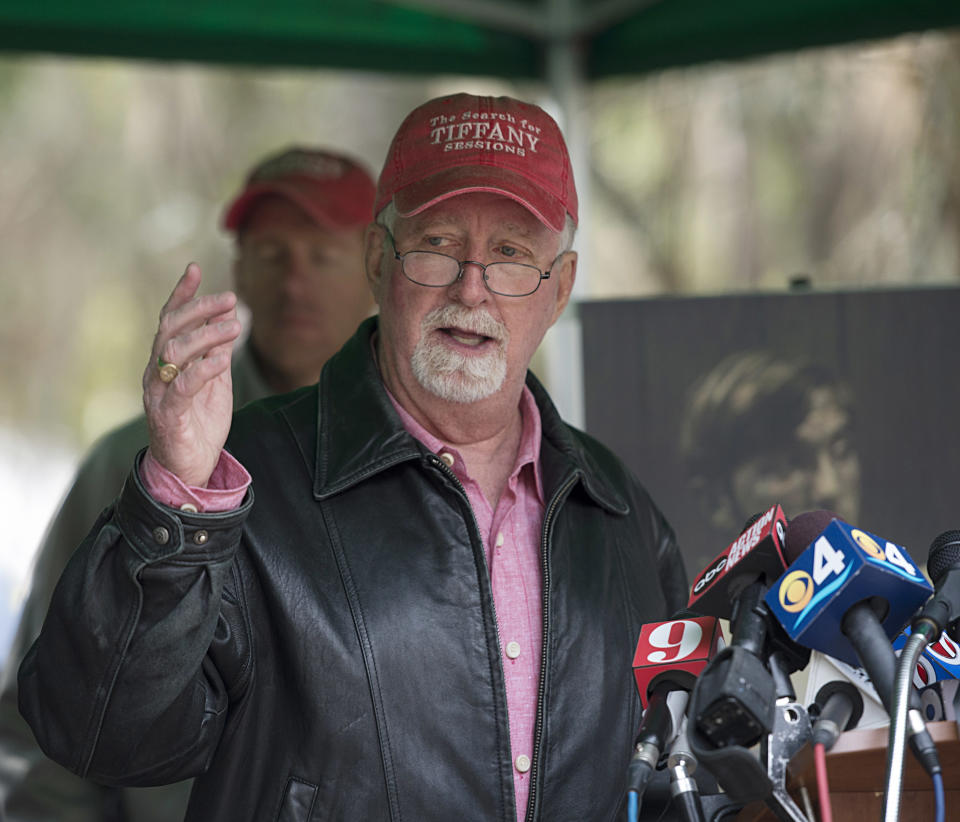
[158, 532]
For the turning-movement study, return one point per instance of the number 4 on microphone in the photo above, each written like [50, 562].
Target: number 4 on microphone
[827, 560]
[841, 567]
[678, 649]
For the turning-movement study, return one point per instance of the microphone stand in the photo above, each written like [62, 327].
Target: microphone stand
[924, 632]
[683, 788]
[791, 731]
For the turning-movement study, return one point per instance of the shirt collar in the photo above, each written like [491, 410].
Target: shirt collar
[530, 434]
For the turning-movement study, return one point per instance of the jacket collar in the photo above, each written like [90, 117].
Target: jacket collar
[359, 433]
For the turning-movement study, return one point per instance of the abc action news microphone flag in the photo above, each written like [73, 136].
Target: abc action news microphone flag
[756, 553]
[841, 567]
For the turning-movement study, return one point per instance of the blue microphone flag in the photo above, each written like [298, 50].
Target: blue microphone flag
[841, 567]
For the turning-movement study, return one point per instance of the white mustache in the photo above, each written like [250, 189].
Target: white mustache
[477, 321]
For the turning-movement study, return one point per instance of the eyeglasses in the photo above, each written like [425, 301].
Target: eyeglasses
[435, 270]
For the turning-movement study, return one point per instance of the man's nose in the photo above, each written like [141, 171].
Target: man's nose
[470, 289]
[295, 272]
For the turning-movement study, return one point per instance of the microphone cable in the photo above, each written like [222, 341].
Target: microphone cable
[839, 707]
[823, 784]
[939, 797]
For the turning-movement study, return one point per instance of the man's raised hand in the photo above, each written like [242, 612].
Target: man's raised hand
[189, 416]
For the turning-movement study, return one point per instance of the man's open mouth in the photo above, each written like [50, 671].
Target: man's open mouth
[465, 337]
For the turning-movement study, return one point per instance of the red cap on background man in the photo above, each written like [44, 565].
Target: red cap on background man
[462, 143]
[333, 189]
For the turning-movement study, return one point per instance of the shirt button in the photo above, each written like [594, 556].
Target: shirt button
[161, 535]
[447, 457]
[522, 763]
[499, 538]
[513, 649]
[189, 508]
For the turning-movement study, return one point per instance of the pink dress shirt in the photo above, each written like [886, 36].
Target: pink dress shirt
[511, 535]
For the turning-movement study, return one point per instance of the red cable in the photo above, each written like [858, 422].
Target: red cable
[823, 787]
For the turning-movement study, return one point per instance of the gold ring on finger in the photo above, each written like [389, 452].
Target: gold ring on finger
[168, 371]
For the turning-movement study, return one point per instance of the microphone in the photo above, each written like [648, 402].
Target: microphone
[744, 695]
[945, 656]
[940, 660]
[675, 651]
[939, 701]
[839, 708]
[841, 584]
[756, 554]
[939, 663]
[668, 658]
[847, 594]
[943, 565]
[825, 669]
[735, 698]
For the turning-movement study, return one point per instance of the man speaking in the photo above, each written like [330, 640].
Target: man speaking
[409, 591]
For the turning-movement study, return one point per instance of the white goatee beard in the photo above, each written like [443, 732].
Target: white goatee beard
[453, 376]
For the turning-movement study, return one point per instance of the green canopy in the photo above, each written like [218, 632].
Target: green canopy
[508, 38]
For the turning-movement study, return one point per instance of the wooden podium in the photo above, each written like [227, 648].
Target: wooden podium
[856, 770]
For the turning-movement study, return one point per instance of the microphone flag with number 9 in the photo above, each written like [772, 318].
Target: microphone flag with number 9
[678, 649]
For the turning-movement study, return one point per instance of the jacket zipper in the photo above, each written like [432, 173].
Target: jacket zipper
[448, 472]
[533, 802]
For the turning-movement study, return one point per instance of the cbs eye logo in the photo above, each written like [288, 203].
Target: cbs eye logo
[796, 590]
[868, 543]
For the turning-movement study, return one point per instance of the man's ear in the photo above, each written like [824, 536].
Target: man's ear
[373, 257]
[565, 272]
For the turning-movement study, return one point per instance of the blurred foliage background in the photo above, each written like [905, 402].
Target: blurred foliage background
[835, 167]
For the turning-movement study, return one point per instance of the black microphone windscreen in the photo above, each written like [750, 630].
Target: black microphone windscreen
[944, 554]
[804, 529]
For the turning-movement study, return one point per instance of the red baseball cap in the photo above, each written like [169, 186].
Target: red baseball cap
[453, 145]
[336, 191]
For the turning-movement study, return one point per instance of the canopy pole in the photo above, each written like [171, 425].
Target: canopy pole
[563, 345]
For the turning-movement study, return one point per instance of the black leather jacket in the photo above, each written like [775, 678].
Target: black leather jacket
[330, 652]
